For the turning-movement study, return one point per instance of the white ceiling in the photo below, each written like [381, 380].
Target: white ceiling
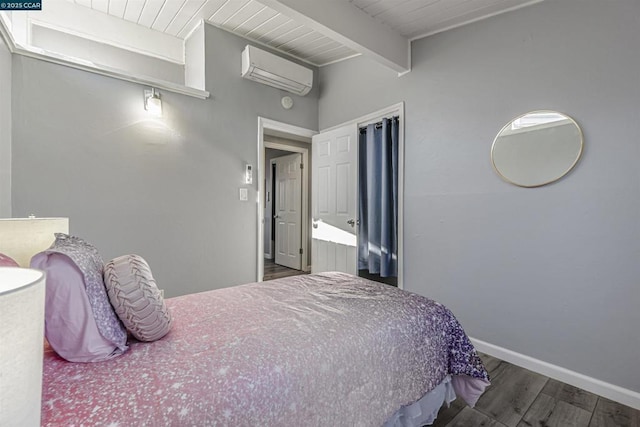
[253, 20]
[246, 18]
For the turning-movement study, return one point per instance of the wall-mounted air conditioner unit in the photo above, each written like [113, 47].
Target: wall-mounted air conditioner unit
[264, 67]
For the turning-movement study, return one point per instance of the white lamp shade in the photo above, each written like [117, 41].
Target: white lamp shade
[22, 293]
[22, 238]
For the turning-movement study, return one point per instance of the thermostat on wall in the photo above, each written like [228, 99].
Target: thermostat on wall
[248, 174]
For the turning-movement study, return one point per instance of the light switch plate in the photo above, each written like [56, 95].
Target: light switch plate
[244, 194]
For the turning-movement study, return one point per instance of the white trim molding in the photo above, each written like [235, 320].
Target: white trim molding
[395, 109]
[610, 391]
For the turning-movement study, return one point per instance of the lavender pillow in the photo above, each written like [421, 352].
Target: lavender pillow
[136, 298]
[80, 323]
[7, 261]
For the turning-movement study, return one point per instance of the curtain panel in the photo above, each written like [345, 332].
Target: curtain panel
[378, 198]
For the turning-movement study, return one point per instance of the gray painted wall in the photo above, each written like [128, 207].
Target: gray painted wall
[5, 130]
[550, 272]
[164, 189]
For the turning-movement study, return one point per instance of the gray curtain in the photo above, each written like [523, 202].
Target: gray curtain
[378, 198]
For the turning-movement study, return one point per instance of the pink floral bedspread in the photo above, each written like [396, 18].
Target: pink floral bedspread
[319, 350]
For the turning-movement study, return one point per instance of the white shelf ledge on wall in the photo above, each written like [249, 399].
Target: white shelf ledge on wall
[91, 67]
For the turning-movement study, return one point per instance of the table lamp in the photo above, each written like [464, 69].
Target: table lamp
[22, 293]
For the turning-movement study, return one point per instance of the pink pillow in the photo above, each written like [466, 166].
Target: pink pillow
[136, 298]
[80, 323]
[69, 324]
[7, 261]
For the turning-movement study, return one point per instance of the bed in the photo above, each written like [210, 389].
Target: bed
[325, 349]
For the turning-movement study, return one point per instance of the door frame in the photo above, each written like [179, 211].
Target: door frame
[290, 131]
[374, 117]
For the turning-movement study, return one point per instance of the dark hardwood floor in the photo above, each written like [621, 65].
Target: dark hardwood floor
[275, 271]
[521, 398]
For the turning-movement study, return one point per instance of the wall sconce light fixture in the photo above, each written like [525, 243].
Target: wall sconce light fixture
[152, 102]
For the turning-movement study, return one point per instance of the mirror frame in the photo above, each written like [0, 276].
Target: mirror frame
[493, 146]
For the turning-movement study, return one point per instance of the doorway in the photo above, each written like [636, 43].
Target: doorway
[287, 210]
[336, 212]
[283, 235]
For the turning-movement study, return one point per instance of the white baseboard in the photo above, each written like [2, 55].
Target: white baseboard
[267, 256]
[593, 385]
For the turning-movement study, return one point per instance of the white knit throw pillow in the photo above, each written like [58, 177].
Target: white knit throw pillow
[136, 298]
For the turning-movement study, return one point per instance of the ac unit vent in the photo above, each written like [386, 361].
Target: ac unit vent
[269, 69]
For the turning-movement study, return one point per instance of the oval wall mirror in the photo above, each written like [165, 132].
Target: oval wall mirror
[537, 148]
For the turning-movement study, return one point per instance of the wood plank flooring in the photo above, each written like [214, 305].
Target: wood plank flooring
[275, 271]
[521, 398]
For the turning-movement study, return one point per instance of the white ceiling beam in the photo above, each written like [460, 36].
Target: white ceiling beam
[346, 24]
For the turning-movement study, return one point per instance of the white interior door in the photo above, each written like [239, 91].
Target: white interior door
[334, 198]
[288, 200]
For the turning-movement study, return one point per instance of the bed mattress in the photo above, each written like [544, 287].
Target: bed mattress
[325, 349]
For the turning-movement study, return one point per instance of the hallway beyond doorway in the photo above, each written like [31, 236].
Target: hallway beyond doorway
[275, 271]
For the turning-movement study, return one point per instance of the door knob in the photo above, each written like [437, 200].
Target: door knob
[351, 222]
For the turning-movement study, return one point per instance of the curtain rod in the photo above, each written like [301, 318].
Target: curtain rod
[378, 125]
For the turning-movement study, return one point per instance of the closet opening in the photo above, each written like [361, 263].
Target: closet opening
[377, 224]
